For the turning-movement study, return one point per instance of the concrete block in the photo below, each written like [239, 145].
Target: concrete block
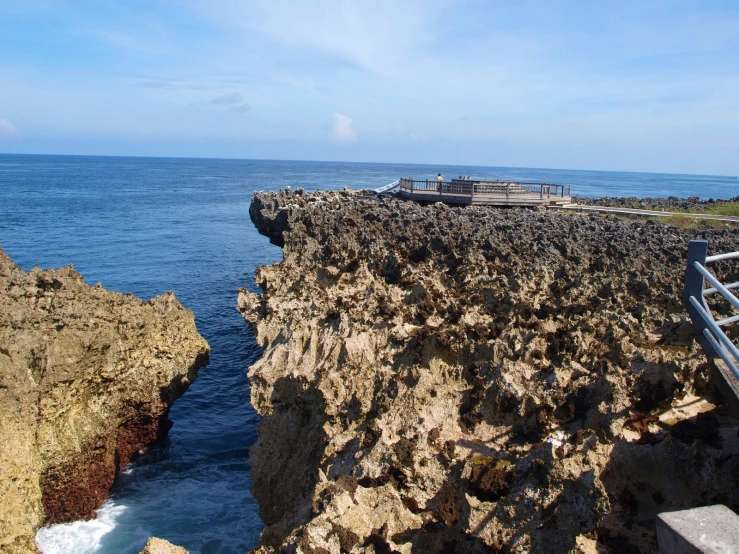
[706, 530]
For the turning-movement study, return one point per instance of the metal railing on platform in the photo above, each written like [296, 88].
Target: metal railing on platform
[388, 187]
[709, 331]
[497, 188]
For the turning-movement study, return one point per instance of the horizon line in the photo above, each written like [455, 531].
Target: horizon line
[442, 165]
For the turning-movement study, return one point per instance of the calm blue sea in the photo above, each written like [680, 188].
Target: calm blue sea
[147, 225]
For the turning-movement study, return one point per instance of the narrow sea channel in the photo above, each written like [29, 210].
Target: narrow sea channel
[148, 225]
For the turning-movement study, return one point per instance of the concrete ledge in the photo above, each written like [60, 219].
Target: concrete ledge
[706, 530]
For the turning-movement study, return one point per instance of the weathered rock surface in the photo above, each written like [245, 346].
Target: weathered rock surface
[87, 377]
[691, 204]
[160, 546]
[444, 379]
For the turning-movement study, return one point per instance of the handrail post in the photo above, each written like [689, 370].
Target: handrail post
[697, 250]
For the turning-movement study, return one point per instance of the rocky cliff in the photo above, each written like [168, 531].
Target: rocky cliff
[442, 379]
[87, 377]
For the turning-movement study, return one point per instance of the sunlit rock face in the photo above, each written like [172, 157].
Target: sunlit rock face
[443, 379]
[160, 546]
[87, 377]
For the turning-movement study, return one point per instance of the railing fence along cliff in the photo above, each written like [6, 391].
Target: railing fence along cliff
[710, 334]
[501, 188]
[388, 187]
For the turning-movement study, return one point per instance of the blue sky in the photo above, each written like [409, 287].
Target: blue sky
[643, 85]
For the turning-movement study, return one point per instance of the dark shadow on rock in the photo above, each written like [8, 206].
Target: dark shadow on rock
[445, 532]
[285, 458]
[681, 471]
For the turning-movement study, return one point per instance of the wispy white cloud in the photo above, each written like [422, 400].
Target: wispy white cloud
[376, 36]
[421, 51]
[342, 128]
[240, 108]
[417, 74]
[7, 128]
[234, 102]
[227, 99]
[169, 84]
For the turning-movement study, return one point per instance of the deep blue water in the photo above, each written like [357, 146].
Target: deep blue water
[147, 225]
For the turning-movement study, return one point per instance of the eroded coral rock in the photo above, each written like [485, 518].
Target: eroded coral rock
[443, 379]
[160, 546]
[87, 377]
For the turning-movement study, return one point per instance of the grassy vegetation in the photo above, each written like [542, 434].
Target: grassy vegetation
[729, 208]
[687, 222]
[682, 221]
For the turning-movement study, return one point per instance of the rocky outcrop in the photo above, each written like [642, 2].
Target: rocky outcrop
[442, 379]
[160, 546]
[87, 377]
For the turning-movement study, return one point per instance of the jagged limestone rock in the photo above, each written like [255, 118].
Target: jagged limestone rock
[87, 377]
[472, 379]
[160, 546]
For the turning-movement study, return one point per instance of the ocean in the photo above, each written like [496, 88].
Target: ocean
[148, 225]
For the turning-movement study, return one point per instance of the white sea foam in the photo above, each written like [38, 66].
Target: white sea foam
[81, 537]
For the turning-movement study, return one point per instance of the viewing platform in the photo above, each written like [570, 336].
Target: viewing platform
[484, 193]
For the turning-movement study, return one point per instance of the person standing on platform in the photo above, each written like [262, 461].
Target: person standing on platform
[439, 181]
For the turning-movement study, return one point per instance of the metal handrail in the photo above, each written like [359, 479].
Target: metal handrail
[711, 337]
[389, 186]
[471, 188]
[722, 257]
[733, 300]
[735, 285]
